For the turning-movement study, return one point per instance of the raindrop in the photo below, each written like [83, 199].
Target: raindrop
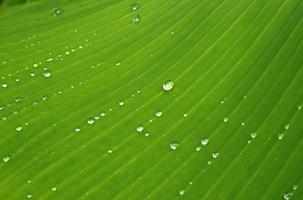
[204, 141]
[198, 148]
[215, 154]
[181, 192]
[253, 135]
[90, 121]
[287, 195]
[19, 128]
[135, 19]
[77, 130]
[6, 159]
[135, 7]
[58, 11]
[4, 85]
[280, 136]
[140, 129]
[168, 85]
[159, 114]
[47, 74]
[174, 145]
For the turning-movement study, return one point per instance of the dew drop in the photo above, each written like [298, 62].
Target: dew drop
[136, 19]
[77, 130]
[47, 74]
[225, 119]
[295, 187]
[287, 195]
[135, 7]
[181, 192]
[19, 128]
[29, 196]
[198, 148]
[18, 99]
[58, 11]
[140, 129]
[280, 136]
[204, 141]
[121, 103]
[168, 85]
[159, 114]
[4, 85]
[54, 189]
[44, 98]
[110, 151]
[102, 114]
[253, 135]
[300, 107]
[6, 159]
[174, 145]
[90, 121]
[215, 154]
[287, 126]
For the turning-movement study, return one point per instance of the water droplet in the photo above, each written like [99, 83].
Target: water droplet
[6, 159]
[140, 129]
[280, 136]
[18, 99]
[198, 148]
[102, 114]
[185, 115]
[121, 103]
[168, 85]
[135, 19]
[19, 128]
[253, 135]
[110, 151]
[54, 189]
[181, 192]
[295, 187]
[58, 11]
[225, 119]
[287, 195]
[174, 145]
[135, 7]
[29, 196]
[204, 141]
[77, 130]
[287, 126]
[300, 107]
[90, 121]
[209, 162]
[47, 74]
[215, 154]
[158, 114]
[4, 85]
[44, 98]
[32, 74]
[146, 134]
[242, 124]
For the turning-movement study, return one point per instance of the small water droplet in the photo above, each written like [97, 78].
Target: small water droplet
[185, 115]
[102, 114]
[253, 135]
[280, 136]
[90, 121]
[198, 148]
[58, 11]
[146, 134]
[121, 103]
[295, 187]
[174, 145]
[158, 114]
[181, 192]
[18, 99]
[215, 154]
[168, 85]
[110, 151]
[19, 128]
[29, 196]
[287, 195]
[140, 129]
[136, 19]
[54, 189]
[135, 7]
[225, 119]
[287, 126]
[47, 74]
[204, 141]
[77, 130]
[6, 159]
[300, 107]
[44, 98]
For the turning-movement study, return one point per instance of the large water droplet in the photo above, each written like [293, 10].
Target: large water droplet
[158, 114]
[204, 141]
[174, 145]
[4, 85]
[168, 85]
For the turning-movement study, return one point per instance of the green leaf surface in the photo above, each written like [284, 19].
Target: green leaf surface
[151, 99]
